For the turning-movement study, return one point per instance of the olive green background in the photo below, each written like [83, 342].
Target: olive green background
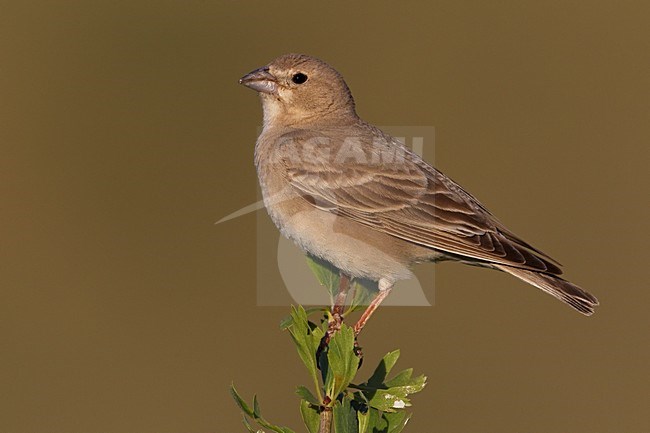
[124, 136]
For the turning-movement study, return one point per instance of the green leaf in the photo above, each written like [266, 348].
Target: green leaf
[391, 395]
[388, 400]
[376, 422]
[385, 366]
[256, 407]
[364, 421]
[288, 320]
[240, 402]
[306, 394]
[342, 361]
[323, 363]
[386, 422]
[345, 417]
[396, 421]
[326, 274]
[363, 292]
[400, 379]
[410, 386]
[255, 414]
[248, 425]
[310, 416]
[307, 341]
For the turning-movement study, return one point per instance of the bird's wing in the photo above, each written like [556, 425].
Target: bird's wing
[410, 200]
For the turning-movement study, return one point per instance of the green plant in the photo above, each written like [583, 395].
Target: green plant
[332, 358]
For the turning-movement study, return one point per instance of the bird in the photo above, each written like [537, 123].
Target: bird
[350, 194]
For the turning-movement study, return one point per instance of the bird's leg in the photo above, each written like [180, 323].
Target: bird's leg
[385, 286]
[341, 296]
[338, 306]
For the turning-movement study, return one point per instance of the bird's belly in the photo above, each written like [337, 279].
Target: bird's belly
[357, 250]
[347, 245]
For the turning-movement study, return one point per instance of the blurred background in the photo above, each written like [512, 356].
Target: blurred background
[124, 136]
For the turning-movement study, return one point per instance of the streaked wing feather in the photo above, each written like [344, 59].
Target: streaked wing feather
[415, 202]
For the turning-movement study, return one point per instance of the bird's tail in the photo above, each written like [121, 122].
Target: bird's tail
[563, 290]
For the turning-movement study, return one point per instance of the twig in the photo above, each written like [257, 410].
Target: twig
[334, 326]
[325, 420]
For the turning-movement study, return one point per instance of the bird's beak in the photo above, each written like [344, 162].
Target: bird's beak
[260, 80]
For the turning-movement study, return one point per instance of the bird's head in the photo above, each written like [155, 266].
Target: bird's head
[298, 89]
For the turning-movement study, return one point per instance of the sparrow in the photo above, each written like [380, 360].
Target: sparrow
[348, 193]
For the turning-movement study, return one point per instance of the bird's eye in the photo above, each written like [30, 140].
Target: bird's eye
[299, 78]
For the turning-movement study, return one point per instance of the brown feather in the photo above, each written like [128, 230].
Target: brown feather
[555, 286]
[410, 200]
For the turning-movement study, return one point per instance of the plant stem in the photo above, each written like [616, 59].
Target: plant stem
[333, 327]
[325, 420]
